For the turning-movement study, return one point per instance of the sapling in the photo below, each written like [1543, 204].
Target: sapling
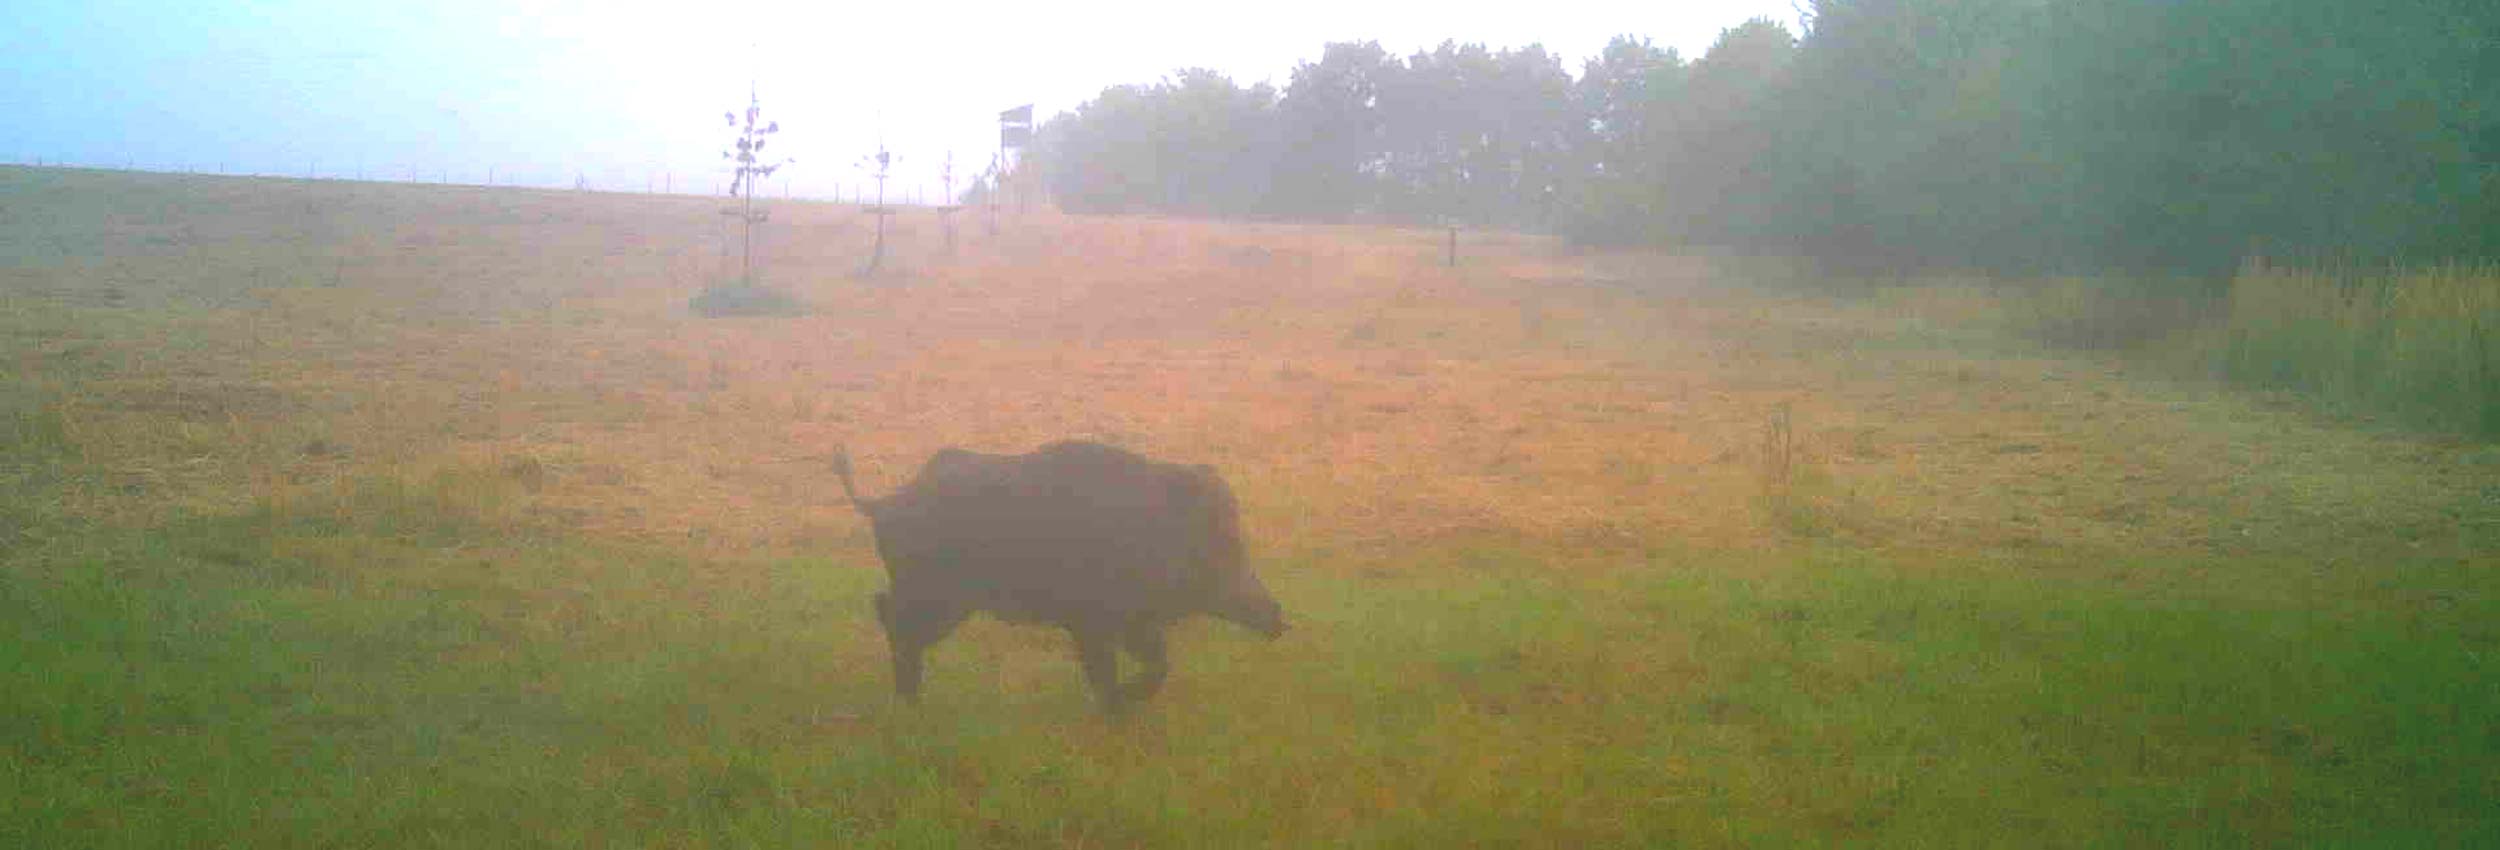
[751, 169]
[883, 161]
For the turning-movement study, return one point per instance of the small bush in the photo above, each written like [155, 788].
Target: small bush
[746, 299]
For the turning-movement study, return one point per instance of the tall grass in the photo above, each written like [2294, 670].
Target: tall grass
[2421, 345]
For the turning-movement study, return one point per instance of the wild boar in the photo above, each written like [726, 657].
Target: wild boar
[1105, 543]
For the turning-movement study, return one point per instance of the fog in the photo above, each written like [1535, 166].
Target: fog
[628, 96]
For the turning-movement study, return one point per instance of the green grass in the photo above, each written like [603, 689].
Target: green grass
[481, 539]
[262, 682]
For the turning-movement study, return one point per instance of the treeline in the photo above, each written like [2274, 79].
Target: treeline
[2019, 135]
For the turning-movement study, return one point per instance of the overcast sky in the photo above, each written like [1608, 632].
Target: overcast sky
[630, 94]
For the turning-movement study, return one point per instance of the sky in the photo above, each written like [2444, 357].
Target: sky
[630, 96]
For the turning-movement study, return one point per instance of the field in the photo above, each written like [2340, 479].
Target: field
[347, 514]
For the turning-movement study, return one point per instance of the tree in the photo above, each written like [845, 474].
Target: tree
[746, 296]
[2085, 135]
[1333, 140]
[1193, 143]
[1905, 147]
[2344, 130]
[1477, 135]
[2012, 135]
[1725, 134]
[1627, 95]
[751, 168]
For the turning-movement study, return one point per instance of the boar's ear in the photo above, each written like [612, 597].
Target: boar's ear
[1202, 493]
[1195, 487]
[1181, 485]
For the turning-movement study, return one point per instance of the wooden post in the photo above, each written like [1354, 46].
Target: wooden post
[946, 205]
[876, 255]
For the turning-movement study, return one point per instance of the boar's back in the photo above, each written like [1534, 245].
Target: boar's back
[1070, 531]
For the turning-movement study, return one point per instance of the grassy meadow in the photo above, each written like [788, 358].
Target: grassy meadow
[338, 514]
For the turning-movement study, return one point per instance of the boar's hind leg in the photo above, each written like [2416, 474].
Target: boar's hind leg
[910, 627]
[1145, 640]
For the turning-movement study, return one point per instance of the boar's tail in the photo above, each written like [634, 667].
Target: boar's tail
[842, 469]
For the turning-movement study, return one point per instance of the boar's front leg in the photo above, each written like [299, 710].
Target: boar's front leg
[1101, 656]
[1145, 640]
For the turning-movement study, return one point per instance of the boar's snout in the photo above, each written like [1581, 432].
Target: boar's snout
[1272, 623]
[1248, 605]
[1263, 616]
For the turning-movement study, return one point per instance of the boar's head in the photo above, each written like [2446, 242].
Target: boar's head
[1235, 593]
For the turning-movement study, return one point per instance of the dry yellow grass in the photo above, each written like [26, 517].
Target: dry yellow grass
[1365, 397]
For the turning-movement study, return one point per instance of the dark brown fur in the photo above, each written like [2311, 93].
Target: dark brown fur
[1105, 543]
